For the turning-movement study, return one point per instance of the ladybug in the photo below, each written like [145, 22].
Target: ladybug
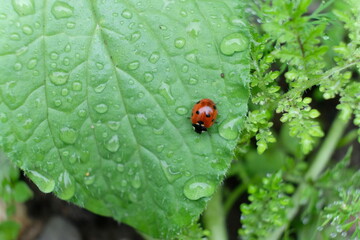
[203, 115]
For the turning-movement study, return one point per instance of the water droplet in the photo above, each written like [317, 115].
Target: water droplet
[3, 117]
[191, 56]
[154, 57]
[17, 66]
[229, 128]
[15, 36]
[123, 183]
[170, 174]
[66, 186]
[101, 108]
[100, 88]
[82, 113]
[113, 125]
[54, 56]
[136, 182]
[113, 144]
[133, 65]
[23, 7]
[27, 30]
[141, 119]
[61, 10]
[126, 14]
[159, 131]
[193, 81]
[135, 36]
[57, 102]
[100, 66]
[160, 148]
[22, 50]
[182, 110]
[164, 91]
[3, 16]
[44, 183]
[89, 178]
[74, 158]
[120, 167]
[32, 63]
[67, 48]
[68, 135]
[185, 68]
[234, 42]
[70, 25]
[179, 42]
[59, 77]
[77, 86]
[64, 92]
[198, 187]
[148, 77]
[66, 61]
[28, 123]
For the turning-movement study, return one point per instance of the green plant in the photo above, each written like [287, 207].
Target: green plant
[95, 96]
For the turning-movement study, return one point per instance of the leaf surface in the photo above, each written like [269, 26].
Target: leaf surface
[95, 100]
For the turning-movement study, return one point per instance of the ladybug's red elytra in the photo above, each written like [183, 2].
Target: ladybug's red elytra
[203, 115]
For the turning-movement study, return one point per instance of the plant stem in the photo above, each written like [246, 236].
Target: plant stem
[234, 195]
[214, 218]
[318, 165]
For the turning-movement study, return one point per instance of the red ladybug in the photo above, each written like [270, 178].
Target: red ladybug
[203, 115]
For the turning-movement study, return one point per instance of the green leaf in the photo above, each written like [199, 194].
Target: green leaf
[95, 98]
[9, 230]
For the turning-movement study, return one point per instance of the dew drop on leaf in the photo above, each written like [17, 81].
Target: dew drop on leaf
[179, 42]
[198, 187]
[44, 183]
[113, 144]
[191, 56]
[185, 68]
[99, 88]
[141, 119]
[120, 167]
[126, 14]
[32, 63]
[17, 66]
[57, 102]
[100, 66]
[101, 108]
[61, 10]
[27, 30]
[54, 56]
[68, 135]
[70, 25]
[234, 42]
[3, 117]
[67, 48]
[154, 57]
[23, 7]
[64, 92]
[193, 81]
[89, 178]
[182, 110]
[229, 128]
[135, 36]
[66, 186]
[164, 91]
[113, 125]
[3, 16]
[77, 86]
[133, 65]
[136, 182]
[169, 173]
[160, 148]
[148, 77]
[58, 77]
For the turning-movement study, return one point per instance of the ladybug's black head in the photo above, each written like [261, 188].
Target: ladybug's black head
[199, 127]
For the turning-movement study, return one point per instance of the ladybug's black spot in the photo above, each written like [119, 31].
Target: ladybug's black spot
[200, 122]
[212, 120]
[197, 112]
[198, 128]
[222, 75]
[214, 107]
[208, 115]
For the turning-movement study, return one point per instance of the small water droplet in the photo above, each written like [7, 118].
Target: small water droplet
[193, 28]
[66, 186]
[113, 144]
[67, 48]
[133, 65]
[100, 66]
[182, 110]
[15, 37]
[170, 174]
[74, 158]
[159, 131]
[70, 25]
[100, 88]
[234, 42]
[136, 182]
[135, 36]
[123, 183]
[148, 77]
[54, 56]
[82, 113]
[3, 117]
[89, 178]
[154, 57]
[62, 10]
[120, 167]
[27, 30]
[64, 92]
[28, 123]
[160, 148]
[185, 68]
[23, 7]
[141, 119]
[179, 42]
[126, 14]
[191, 56]
[193, 81]
[198, 187]
[66, 61]
[59, 77]
[101, 108]
[229, 128]
[3, 16]
[113, 125]
[32, 63]
[68, 135]
[44, 183]
[164, 91]
[17, 66]
[77, 86]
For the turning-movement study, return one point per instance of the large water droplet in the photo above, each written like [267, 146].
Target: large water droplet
[234, 42]
[15, 36]
[198, 187]
[170, 174]
[154, 57]
[44, 183]
[101, 108]
[133, 65]
[113, 144]
[141, 119]
[66, 186]
[59, 77]
[23, 7]
[229, 128]
[180, 42]
[62, 10]
[126, 14]
[164, 91]
[68, 135]
[136, 182]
